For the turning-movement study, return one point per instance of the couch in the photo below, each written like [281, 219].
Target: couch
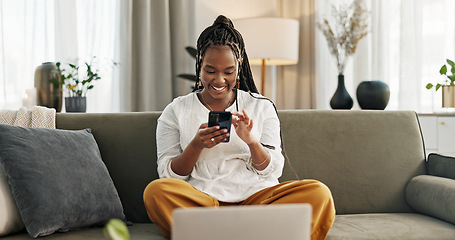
[373, 161]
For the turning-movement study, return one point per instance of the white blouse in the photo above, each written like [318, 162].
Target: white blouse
[224, 171]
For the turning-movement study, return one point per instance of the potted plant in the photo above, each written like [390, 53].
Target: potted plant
[448, 84]
[191, 77]
[349, 26]
[77, 79]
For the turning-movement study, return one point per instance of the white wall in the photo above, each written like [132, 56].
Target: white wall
[208, 10]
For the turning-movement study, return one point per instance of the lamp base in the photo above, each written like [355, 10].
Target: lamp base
[263, 77]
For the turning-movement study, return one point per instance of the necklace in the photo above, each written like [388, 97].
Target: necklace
[208, 105]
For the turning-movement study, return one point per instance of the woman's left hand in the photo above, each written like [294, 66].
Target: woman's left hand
[243, 125]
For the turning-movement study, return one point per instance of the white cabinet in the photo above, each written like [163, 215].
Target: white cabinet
[429, 126]
[438, 132]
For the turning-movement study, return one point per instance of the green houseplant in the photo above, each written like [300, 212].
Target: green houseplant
[191, 77]
[448, 80]
[77, 79]
[448, 84]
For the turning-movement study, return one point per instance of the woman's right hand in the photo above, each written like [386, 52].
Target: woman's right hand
[208, 137]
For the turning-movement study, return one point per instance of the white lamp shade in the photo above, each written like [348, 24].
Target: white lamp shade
[274, 39]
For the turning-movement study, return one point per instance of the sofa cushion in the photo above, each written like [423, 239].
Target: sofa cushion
[388, 226]
[441, 165]
[58, 179]
[138, 231]
[434, 196]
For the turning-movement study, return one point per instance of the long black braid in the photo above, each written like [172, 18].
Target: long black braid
[223, 33]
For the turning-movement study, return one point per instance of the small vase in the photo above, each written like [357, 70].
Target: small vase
[76, 104]
[48, 86]
[373, 95]
[448, 96]
[341, 99]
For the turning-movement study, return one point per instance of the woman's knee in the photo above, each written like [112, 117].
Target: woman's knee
[322, 191]
[161, 187]
[322, 201]
[313, 191]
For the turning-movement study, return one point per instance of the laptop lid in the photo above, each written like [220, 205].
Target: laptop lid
[264, 222]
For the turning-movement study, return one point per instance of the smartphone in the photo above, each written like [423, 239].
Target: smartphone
[222, 119]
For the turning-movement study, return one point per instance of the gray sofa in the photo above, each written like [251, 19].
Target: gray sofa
[373, 162]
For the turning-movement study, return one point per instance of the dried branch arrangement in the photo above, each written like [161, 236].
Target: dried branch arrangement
[349, 26]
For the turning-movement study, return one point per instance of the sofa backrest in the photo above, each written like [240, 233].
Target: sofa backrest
[366, 158]
[127, 144]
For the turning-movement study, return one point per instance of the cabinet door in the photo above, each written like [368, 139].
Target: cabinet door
[446, 134]
[429, 126]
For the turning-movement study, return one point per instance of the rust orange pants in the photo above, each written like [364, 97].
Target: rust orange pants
[162, 196]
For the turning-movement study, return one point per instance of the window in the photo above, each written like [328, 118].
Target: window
[33, 32]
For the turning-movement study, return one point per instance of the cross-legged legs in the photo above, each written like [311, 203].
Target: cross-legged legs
[162, 196]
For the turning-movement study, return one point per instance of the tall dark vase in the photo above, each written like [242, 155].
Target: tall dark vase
[373, 95]
[47, 84]
[341, 99]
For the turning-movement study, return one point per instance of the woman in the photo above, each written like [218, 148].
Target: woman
[197, 168]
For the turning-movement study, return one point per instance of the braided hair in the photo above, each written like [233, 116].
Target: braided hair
[223, 33]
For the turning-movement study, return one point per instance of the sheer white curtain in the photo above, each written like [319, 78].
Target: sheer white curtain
[33, 32]
[408, 43]
[26, 40]
[87, 28]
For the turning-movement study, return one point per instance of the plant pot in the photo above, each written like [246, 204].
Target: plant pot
[448, 96]
[76, 104]
[48, 87]
[373, 95]
[341, 99]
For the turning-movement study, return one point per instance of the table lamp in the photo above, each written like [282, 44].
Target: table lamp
[270, 41]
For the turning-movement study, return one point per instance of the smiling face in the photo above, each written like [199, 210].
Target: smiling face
[218, 74]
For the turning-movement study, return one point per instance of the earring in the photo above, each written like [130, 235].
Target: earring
[199, 83]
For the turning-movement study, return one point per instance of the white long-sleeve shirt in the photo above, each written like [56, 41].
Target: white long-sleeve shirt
[224, 171]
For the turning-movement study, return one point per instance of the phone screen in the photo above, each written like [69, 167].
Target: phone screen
[222, 119]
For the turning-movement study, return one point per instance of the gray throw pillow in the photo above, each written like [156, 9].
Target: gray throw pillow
[58, 179]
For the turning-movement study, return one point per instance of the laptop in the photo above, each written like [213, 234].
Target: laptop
[262, 222]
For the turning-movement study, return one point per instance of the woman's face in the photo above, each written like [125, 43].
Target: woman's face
[219, 71]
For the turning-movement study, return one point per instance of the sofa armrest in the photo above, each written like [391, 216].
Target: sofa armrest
[441, 165]
[433, 196]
